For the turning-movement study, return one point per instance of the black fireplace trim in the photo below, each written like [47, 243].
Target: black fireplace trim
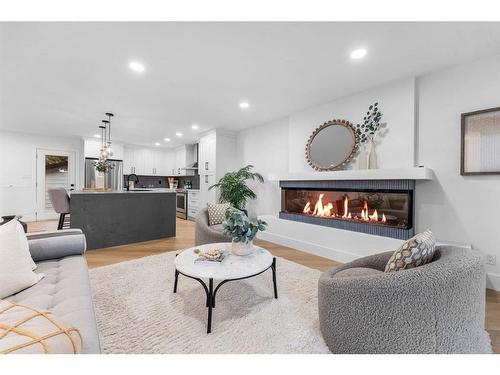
[355, 185]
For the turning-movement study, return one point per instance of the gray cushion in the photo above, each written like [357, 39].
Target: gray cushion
[217, 227]
[358, 272]
[65, 291]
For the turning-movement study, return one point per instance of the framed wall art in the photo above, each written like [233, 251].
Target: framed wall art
[480, 142]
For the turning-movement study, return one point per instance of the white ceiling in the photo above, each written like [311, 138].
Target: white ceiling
[60, 78]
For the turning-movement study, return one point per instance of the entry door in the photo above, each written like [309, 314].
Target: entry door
[54, 169]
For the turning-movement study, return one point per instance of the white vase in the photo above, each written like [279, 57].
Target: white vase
[362, 157]
[99, 180]
[242, 248]
[372, 158]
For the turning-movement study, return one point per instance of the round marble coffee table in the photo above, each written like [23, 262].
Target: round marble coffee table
[232, 268]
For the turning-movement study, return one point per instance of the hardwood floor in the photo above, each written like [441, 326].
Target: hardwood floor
[185, 238]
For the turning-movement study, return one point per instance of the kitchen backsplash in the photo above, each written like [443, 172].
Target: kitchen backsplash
[161, 182]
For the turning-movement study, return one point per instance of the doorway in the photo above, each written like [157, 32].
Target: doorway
[54, 169]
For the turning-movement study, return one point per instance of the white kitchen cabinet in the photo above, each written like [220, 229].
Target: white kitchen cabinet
[167, 165]
[129, 161]
[207, 153]
[142, 161]
[207, 180]
[184, 155]
[193, 204]
[158, 162]
[216, 156]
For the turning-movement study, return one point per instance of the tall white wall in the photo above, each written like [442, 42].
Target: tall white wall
[396, 101]
[458, 208]
[266, 148]
[18, 168]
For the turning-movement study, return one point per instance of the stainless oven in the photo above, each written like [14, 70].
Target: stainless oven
[181, 203]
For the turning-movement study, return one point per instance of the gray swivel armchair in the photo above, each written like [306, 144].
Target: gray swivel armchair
[60, 201]
[205, 233]
[435, 308]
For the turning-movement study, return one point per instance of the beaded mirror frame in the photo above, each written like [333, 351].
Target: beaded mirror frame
[335, 165]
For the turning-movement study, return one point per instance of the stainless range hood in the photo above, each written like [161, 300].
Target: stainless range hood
[192, 166]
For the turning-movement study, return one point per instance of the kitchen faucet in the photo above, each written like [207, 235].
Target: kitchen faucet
[136, 180]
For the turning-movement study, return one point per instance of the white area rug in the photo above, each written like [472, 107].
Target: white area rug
[137, 312]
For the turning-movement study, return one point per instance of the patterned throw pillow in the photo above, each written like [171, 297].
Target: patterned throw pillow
[25, 330]
[217, 212]
[417, 251]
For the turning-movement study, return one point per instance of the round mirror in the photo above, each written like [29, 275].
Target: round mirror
[331, 145]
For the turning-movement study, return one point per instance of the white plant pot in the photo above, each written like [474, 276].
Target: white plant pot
[373, 162]
[241, 248]
[99, 180]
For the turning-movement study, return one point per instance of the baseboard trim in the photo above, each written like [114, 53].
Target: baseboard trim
[493, 281]
[308, 247]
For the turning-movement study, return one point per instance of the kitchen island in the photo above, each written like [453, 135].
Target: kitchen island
[121, 217]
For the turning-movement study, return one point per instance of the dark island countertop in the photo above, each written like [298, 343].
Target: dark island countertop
[111, 218]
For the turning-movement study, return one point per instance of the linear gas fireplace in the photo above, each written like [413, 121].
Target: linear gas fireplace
[379, 207]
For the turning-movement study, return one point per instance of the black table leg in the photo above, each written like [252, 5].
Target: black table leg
[273, 267]
[176, 279]
[211, 292]
[210, 302]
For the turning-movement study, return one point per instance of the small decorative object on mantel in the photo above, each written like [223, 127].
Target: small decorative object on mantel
[480, 142]
[241, 230]
[332, 145]
[367, 132]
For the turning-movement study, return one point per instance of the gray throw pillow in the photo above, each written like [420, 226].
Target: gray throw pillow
[217, 212]
[417, 251]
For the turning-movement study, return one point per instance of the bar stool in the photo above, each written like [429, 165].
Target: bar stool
[60, 201]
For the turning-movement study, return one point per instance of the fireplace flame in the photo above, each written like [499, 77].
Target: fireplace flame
[346, 208]
[319, 208]
[326, 210]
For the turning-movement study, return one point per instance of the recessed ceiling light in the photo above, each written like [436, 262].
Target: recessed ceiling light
[167, 139]
[97, 136]
[358, 53]
[244, 105]
[195, 127]
[136, 66]
[179, 134]
[157, 144]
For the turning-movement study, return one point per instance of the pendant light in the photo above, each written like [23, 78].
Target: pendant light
[106, 149]
[109, 148]
[104, 153]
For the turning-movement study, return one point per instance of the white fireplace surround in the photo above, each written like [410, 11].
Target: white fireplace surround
[336, 244]
[415, 173]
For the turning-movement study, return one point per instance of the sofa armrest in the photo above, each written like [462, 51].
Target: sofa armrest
[57, 244]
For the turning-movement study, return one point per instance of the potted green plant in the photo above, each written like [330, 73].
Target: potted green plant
[233, 187]
[241, 230]
[102, 165]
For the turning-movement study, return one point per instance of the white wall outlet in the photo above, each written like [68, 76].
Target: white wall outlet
[491, 259]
